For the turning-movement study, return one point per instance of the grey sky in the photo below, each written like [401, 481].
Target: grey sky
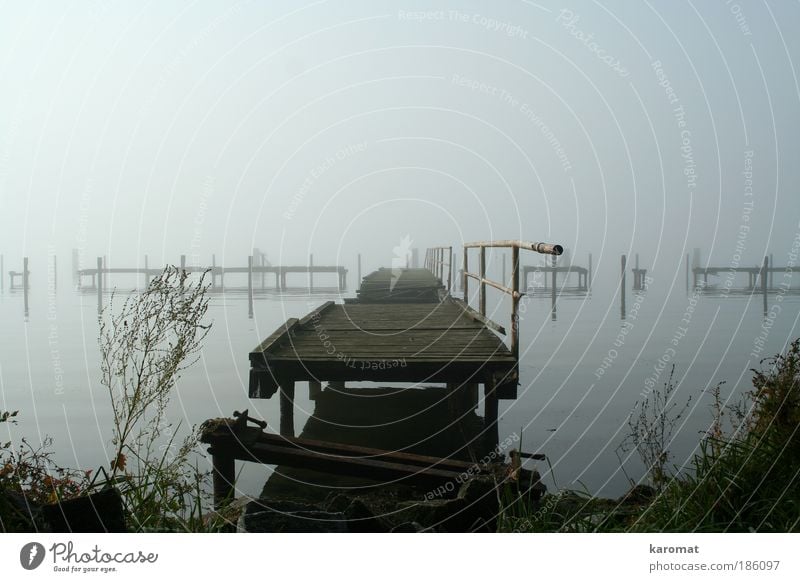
[341, 127]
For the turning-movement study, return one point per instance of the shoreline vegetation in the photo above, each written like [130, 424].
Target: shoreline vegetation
[745, 476]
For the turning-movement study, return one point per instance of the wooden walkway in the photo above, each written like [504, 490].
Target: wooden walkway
[402, 328]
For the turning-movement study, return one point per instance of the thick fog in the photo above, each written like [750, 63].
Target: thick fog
[338, 128]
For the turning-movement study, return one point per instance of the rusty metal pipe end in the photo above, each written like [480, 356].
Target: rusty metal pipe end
[548, 249]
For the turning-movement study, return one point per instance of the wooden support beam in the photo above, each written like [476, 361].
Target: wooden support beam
[286, 391]
[224, 476]
[490, 415]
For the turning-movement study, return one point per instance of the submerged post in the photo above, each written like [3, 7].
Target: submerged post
[622, 289]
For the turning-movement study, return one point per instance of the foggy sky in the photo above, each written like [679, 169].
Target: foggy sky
[342, 127]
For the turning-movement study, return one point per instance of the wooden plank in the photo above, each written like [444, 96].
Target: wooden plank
[273, 339]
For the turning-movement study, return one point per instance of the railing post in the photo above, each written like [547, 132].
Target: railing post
[449, 269]
[515, 302]
[465, 278]
[482, 288]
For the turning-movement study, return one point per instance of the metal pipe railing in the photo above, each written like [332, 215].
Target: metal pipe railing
[513, 291]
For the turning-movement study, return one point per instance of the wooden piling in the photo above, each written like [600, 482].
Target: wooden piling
[99, 284]
[771, 274]
[589, 273]
[224, 476]
[213, 272]
[490, 414]
[25, 282]
[250, 285]
[314, 389]
[764, 274]
[311, 273]
[263, 260]
[622, 289]
[287, 407]
[359, 269]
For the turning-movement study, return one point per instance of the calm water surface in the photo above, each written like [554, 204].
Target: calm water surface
[582, 372]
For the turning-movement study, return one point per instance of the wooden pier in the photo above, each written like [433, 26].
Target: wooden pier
[217, 273]
[403, 327]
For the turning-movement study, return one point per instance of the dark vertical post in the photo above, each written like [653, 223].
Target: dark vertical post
[183, 262]
[359, 268]
[287, 407]
[310, 273]
[771, 273]
[622, 289]
[450, 269]
[764, 272]
[99, 284]
[465, 279]
[314, 389]
[250, 285]
[224, 475]
[25, 282]
[482, 288]
[553, 289]
[515, 302]
[589, 274]
[491, 431]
